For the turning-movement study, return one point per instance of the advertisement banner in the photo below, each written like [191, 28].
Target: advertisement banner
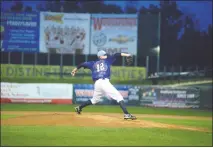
[84, 92]
[114, 33]
[20, 32]
[134, 95]
[36, 93]
[66, 33]
[170, 97]
[29, 71]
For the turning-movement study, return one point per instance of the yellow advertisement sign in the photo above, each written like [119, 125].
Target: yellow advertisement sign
[51, 17]
[31, 71]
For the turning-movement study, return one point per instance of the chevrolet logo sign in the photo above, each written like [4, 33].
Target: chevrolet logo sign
[121, 39]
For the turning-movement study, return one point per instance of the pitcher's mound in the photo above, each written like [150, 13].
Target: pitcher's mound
[86, 120]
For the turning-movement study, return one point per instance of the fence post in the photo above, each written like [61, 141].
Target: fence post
[48, 58]
[158, 63]
[147, 66]
[86, 57]
[179, 79]
[136, 60]
[172, 71]
[164, 70]
[123, 61]
[197, 73]
[22, 57]
[73, 62]
[9, 58]
[35, 59]
[205, 73]
[61, 66]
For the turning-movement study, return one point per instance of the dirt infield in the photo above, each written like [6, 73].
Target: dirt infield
[94, 120]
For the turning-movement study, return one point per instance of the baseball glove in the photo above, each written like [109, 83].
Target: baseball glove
[129, 60]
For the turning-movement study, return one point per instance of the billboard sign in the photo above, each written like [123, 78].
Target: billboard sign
[114, 33]
[170, 97]
[66, 33]
[36, 92]
[20, 32]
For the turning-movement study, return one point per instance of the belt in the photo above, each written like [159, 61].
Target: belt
[100, 78]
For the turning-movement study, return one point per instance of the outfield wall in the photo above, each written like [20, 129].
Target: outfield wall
[62, 93]
[152, 96]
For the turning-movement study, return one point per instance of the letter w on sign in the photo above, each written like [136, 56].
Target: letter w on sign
[97, 23]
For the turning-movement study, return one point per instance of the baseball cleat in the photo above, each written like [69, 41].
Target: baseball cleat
[129, 116]
[78, 110]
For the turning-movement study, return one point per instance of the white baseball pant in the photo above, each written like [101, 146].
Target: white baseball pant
[103, 87]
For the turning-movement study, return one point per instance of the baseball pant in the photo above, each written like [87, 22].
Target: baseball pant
[103, 87]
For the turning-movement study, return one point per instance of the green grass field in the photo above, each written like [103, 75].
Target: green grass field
[88, 80]
[105, 109]
[55, 135]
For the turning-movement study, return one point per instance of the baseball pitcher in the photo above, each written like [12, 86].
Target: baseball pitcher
[101, 75]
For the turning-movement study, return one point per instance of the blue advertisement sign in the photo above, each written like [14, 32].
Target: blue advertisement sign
[20, 32]
[84, 92]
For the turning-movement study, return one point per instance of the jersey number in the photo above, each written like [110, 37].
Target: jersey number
[100, 67]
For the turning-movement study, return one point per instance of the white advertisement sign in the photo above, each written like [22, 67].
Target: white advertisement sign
[114, 33]
[36, 91]
[67, 33]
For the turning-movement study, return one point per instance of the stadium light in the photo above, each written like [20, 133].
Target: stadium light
[157, 51]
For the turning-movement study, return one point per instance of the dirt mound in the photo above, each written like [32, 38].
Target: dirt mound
[88, 120]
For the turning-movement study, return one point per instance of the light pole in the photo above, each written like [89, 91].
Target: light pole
[158, 58]
[158, 47]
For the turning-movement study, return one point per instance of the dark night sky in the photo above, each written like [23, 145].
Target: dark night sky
[200, 10]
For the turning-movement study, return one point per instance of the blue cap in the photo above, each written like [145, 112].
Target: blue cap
[101, 53]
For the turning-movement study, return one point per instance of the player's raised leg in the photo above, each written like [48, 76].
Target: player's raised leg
[112, 92]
